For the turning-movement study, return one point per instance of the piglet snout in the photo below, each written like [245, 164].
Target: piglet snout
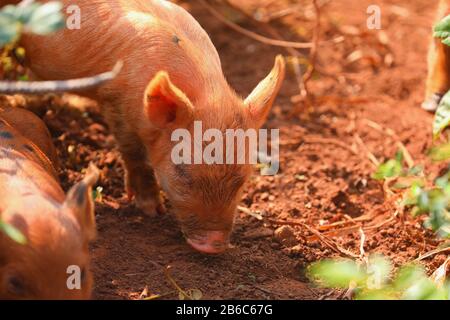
[213, 242]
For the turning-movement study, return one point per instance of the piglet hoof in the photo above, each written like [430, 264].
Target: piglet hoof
[150, 206]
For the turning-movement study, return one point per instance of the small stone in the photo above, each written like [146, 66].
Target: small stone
[264, 196]
[285, 235]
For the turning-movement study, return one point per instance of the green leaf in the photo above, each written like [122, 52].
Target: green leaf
[446, 41]
[24, 14]
[442, 28]
[382, 294]
[379, 270]
[97, 194]
[415, 171]
[442, 115]
[423, 289]
[415, 285]
[46, 19]
[10, 11]
[390, 169]
[13, 233]
[337, 273]
[8, 29]
[440, 153]
[407, 276]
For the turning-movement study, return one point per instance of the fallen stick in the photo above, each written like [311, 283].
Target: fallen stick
[432, 253]
[295, 53]
[391, 133]
[41, 87]
[314, 50]
[325, 240]
[339, 223]
[370, 155]
[258, 37]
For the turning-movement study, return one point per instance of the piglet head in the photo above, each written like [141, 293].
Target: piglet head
[54, 261]
[203, 195]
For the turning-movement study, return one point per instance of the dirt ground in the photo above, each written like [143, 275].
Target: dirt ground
[325, 167]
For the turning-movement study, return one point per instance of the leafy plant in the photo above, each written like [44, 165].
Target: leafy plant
[41, 19]
[27, 17]
[373, 281]
[97, 194]
[433, 200]
[390, 169]
[394, 168]
[442, 30]
[372, 278]
[442, 116]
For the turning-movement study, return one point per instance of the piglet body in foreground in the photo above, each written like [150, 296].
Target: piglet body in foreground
[57, 228]
[171, 77]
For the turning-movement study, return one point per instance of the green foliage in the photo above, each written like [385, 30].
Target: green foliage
[337, 273]
[442, 30]
[390, 169]
[41, 19]
[97, 194]
[394, 168]
[13, 233]
[442, 116]
[440, 152]
[434, 201]
[373, 281]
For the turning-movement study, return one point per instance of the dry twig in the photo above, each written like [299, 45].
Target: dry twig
[295, 53]
[432, 253]
[391, 133]
[314, 50]
[370, 155]
[254, 35]
[325, 240]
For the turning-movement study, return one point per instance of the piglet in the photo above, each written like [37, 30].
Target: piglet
[57, 228]
[438, 79]
[172, 77]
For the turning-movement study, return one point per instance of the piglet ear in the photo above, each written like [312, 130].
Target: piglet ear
[165, 104]
[262, 97]
[79, 202]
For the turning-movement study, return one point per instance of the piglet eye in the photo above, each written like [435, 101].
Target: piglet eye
[16, 286]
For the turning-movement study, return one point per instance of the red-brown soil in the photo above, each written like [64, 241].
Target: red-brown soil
[325, 170]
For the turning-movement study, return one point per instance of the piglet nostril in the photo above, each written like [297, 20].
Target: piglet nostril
[212, 242]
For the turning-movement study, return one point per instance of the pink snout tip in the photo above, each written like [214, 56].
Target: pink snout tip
[213, 242]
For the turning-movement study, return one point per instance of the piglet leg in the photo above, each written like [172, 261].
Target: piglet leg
[140, 180]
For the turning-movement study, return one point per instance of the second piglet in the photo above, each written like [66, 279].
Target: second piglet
[57, 228]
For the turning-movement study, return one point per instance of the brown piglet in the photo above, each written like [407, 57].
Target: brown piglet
[172, 76]
[438, 80]
[57, 228]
